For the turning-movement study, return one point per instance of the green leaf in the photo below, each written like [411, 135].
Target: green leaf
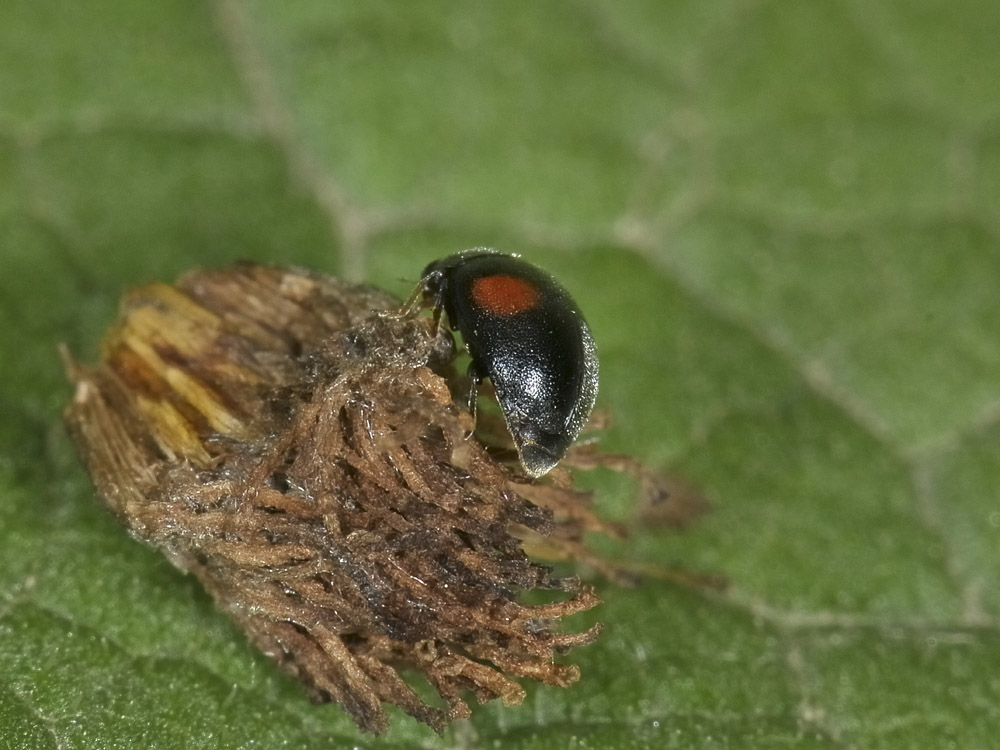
[781, 222]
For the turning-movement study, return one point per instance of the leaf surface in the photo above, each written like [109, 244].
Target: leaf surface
[780, 221]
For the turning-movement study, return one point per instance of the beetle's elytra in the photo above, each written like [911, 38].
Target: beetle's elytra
[525, 333]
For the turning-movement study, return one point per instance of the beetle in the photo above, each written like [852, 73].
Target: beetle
[525, 333]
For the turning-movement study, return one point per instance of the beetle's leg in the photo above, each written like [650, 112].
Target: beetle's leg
[428, 293]
[437, 318]
[410, 304]
[475, 378]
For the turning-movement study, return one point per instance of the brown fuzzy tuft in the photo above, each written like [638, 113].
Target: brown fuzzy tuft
[282, 436]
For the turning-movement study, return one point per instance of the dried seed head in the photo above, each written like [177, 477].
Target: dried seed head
[282, 436]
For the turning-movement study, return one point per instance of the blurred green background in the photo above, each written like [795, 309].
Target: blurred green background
[781, 219]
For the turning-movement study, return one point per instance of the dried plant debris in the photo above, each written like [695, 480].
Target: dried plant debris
[289, 439]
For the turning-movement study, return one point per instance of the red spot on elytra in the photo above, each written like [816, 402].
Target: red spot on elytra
[504, 295]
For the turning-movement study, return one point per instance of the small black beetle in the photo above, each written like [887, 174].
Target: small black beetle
[525, 333]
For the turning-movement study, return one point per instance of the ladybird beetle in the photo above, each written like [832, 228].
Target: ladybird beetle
[525, 333]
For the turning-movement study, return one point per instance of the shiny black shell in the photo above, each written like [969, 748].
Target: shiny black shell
[525, 333]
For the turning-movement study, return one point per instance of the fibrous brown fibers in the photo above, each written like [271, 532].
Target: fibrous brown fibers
[282, 436]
